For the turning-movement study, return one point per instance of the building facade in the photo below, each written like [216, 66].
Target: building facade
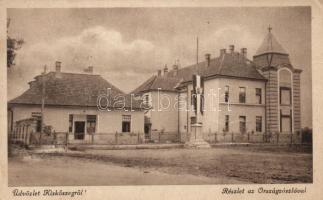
[79, 104]
[239, 95]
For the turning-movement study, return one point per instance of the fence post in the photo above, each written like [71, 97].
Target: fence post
[232, 137]
[215, 137]
[291, 138]
[159, 137]
[54, 138]
[116, 137]
[66, 139]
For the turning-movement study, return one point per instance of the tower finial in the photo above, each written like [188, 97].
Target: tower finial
[269, 28]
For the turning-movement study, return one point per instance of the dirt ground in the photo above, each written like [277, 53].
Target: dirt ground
[164, 166]
[243, 164]
[66, 171]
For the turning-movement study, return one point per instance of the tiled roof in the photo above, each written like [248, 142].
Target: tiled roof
[270, 45]
[164, 83]
[229, 64]
[69, 89]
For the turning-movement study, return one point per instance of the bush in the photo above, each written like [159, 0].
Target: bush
[307, 135]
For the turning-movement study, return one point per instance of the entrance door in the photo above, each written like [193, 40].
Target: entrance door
[147, 131]
[79, 132]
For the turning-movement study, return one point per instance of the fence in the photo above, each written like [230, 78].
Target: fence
[107, 138]
[22, 132]
[25, 132]
[249, 137]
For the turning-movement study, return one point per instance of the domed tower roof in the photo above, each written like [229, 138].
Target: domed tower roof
[270, 45]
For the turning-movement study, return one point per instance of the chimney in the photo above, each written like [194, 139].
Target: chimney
[207, 59]
[32, 84]
[89, 70]
[165, 70]
[159, 72]
[244, 52]
[222, 52]
[231, 48]
[175, 67]
[58, 66]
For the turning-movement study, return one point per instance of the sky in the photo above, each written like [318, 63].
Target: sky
[128, 45]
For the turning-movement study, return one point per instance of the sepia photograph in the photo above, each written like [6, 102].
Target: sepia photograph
[132, 96]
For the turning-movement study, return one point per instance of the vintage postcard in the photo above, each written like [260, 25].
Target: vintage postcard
[156, 100]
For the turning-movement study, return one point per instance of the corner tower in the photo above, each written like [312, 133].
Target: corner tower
[283, 87]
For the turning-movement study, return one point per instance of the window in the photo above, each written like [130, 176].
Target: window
[285, 96]
[126, 123]
[146, 99]
[242, 120]
[258, 95]
[70, 123]
[90, 123]
[226, 94]
[285, 121]
[193, 120]
[258, 124]
[226, 123]
[242, 95]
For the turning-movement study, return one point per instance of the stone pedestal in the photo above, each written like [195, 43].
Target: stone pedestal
[196, 139]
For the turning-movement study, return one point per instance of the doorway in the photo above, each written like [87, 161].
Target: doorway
[79, 130]
[147, 131]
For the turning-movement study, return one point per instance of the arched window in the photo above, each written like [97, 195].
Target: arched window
[285, 99]
[285, 83]
[285, 78]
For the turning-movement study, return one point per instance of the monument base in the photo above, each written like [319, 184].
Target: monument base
[196, 139]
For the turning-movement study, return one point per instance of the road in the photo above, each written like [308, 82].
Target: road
[66, 171]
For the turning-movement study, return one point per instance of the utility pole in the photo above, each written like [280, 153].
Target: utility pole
[42, 105]
[197, 54]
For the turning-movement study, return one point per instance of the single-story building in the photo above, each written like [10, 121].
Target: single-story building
[78, 103]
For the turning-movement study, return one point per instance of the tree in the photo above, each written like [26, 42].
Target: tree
[13, 45]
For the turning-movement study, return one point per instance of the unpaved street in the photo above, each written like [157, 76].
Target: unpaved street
[66, 171]
[161, 166]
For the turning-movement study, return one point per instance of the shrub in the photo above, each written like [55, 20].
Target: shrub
[307, 135]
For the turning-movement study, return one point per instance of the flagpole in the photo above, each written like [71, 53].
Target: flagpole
[197, 53]
[42, 105]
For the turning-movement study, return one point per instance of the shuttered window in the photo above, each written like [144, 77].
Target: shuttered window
[258, 124]
[126, 123]
[70, 123]
[242, 95]
[226, 94]
[91, 123]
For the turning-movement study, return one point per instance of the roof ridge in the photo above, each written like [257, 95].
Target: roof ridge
[154, 77]
[221, 64]
[148, 82]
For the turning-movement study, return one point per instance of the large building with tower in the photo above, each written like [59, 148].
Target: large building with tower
[239, 95]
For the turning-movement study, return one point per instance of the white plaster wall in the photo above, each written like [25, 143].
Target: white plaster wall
[164, 113]
[183, 112]
[250, 86]
[211, 106]
[216, 109]
[237, 110]
[58, 117]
